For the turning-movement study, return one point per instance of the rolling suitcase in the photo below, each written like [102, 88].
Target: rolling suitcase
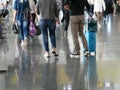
[90, 34]
[91, 41]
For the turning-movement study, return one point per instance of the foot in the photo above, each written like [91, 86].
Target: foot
[25, 42]
[55, 52]
[47, 54]
[22, 43]
[86, 53]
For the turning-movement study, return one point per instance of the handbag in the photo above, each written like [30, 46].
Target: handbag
[15, 29]
[38, 30]
[37, 27]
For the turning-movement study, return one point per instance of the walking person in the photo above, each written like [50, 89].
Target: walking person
[76, 8]
[99, 6]
[48, 15]
[21, 15]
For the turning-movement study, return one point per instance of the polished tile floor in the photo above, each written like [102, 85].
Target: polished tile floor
[27, 69]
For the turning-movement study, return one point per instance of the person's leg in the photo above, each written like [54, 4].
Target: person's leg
[20, 26]
[101, 15]
[25, 31]
[44, 32]
[74, 22]
[98, 19]
[91, 9]
[52, 28]
[81, 32]
[114, 9]
[67, 17]
[63, 17]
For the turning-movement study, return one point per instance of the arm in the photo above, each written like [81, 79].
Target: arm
[14, 10]
[56, 12]
[14, 15]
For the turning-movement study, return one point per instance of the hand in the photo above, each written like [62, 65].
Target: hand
[57, 21]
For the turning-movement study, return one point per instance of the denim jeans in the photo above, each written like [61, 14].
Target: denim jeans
[48, 25]
[23, 29]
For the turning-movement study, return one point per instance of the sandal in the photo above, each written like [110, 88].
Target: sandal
[55, 53]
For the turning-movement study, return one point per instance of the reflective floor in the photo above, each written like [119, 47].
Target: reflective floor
[27, 69]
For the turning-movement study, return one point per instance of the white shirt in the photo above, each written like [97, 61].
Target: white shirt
[99, 6]
[91, 2]
[32, 6]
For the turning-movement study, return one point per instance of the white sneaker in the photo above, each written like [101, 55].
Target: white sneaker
[22, 43]
[47, 55]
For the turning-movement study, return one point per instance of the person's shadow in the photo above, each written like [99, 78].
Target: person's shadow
[91, 73]
[23, 69]
[49, 75]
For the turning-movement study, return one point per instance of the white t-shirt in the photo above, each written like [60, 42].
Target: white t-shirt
[99, 6]
[32, 6]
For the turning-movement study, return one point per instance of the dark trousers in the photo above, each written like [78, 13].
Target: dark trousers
[66, 18]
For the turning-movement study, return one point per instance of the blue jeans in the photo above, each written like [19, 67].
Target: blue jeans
[48, 25]
[23, 29]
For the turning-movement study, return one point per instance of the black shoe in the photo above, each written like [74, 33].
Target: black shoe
[86, 53]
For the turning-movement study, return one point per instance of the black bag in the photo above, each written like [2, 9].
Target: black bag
[92, 25]
[5, 13]
[38, 30]
[15, 29]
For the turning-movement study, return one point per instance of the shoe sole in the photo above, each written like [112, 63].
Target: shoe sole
[47, 56]
[75, 56]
